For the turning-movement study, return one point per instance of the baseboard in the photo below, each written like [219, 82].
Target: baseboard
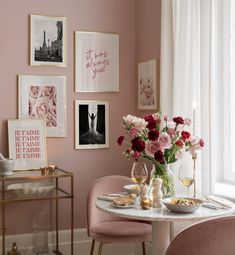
[82, 244]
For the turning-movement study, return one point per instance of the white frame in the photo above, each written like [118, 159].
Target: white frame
[35, 18]
[87, 78]
[147, 71]
[59, 82]
[91, 146]
[21, 143]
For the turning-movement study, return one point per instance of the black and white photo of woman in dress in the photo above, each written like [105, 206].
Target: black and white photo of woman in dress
[92, 124]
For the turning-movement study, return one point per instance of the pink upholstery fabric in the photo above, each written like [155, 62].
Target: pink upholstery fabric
[212, 237]
[121, 231]
[107, 228]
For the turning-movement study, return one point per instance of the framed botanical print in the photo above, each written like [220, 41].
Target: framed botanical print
[44, 97]
[147, 85]
[27, 143]
[96, 62]
[91, 124]
[48, 40]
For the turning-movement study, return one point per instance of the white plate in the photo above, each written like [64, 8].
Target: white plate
[132, 189]
[123, 206]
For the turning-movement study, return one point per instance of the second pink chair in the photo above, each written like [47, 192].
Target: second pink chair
[105, 228]
[211, 237]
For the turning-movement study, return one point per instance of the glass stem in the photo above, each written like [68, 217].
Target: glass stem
[187, 192]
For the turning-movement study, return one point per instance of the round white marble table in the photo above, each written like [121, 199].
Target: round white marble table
[161, 220]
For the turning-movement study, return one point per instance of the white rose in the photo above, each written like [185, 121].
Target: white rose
[140, 124]
[129, 119]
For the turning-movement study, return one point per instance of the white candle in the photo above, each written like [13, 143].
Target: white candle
[194, 117]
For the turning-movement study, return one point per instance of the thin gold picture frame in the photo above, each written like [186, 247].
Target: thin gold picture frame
[48, 53]
[91, 144]
[42, 81]
[87, 86]
[27, 143]
[148, 85]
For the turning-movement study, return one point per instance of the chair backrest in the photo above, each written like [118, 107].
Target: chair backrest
[102, 186]
[211, 237]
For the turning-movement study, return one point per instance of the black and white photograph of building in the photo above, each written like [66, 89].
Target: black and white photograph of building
[47, 40]
[91, 124]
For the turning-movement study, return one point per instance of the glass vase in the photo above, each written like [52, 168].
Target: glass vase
[163, 171]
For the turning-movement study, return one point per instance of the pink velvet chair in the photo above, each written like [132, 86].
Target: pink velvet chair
[211, 237]
[105, 228]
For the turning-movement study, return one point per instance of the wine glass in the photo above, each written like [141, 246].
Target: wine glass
[185, 174]
[139, 173]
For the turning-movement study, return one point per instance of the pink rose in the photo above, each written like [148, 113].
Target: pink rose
[187, 121]
[135, 154]
[49, 92]
[151, 147]
[171, 127]
[33, 91]
[165, 117]
[196, 144]
[164, 140]
[133, 132]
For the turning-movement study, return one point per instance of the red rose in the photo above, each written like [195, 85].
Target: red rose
[185, 135]
[178, 120]
[151, 121]
[153, 135]
[159, 156]
[120, 140]
[202, 143]
[179, 143]
[138, 144]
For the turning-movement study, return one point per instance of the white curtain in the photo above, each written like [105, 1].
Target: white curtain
[192, 72]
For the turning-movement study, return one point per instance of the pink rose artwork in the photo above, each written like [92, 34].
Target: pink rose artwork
[43, 104]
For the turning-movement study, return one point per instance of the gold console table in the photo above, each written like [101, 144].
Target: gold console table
[57, 194]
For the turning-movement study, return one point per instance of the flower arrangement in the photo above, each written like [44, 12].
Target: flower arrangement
[161, 141]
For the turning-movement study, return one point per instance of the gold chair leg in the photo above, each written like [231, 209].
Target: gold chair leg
[100, 248]
[92, 247]
[143, 248]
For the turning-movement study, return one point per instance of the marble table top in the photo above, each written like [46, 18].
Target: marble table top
[162, 214]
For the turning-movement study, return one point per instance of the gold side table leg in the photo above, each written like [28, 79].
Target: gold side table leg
[57, 218]
[72, 216]
[3, 218]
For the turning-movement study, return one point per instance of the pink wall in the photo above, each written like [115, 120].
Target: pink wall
[87, 165]
[147, 36]
[138, 23]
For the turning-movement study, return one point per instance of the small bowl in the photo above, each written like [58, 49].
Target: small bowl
[6, 166]
[132, 189]
[183, 208]
[31, 188]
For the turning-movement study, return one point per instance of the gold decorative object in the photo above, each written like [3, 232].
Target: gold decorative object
[44, 171]
[146, 204]
[52, 169]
